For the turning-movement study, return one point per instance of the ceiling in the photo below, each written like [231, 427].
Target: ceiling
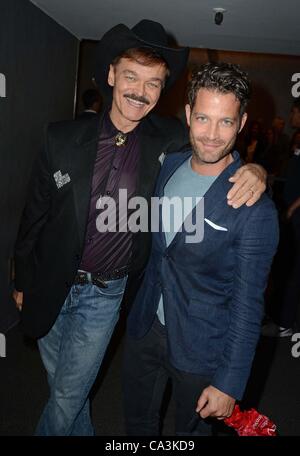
[269, 26]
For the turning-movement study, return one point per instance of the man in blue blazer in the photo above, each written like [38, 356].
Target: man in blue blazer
[196, 318]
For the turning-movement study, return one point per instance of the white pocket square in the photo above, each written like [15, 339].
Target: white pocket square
[216, 227]
[60, 179]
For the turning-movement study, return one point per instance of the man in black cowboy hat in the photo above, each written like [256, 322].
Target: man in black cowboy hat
[71, 276]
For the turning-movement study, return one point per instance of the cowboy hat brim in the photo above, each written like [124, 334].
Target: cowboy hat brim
[119, 39]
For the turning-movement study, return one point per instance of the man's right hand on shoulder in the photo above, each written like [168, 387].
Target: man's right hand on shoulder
[18, 297]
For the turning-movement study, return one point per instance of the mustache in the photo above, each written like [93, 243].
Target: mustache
[134, 97]
[216, 142]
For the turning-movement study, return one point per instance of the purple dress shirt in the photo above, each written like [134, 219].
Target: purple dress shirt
[115, 168]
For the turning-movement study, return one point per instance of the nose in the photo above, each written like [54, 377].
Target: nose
[212, 131]
[140, 88]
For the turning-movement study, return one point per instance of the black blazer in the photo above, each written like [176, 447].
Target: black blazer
[51, 236]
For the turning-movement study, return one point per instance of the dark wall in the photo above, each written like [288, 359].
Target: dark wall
[39, 60]
[85, 71]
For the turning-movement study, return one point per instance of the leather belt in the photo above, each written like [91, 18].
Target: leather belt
[99, 279]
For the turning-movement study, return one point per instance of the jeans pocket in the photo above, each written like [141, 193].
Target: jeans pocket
[114, 288]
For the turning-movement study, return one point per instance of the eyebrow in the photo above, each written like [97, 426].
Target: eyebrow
[199, 113]
[151, 79]
[129, 71]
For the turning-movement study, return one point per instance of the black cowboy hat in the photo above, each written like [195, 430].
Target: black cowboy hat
[145, 33]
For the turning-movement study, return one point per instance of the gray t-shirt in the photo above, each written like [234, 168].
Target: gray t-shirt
[184, 183]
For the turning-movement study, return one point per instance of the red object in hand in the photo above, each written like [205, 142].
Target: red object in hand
[250, 423]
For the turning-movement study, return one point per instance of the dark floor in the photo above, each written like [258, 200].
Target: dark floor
[273, 388]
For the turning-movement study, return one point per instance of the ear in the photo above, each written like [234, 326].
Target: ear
[111, 76]
[243, 121]
[188, 114]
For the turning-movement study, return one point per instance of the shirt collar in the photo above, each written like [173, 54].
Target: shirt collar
[109, 129]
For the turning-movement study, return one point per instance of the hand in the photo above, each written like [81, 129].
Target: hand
[215, 403]
[18, 297]
[249, 185]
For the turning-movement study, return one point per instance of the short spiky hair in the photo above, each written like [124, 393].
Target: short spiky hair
[222, 77]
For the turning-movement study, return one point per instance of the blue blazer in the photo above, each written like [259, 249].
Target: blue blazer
[213, 289]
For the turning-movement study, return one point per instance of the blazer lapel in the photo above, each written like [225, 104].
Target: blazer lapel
[214, 198]
[150, 146]
[216, 195]
[82, 163]
[166, 173]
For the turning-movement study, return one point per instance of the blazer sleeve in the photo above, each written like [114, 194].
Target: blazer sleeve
[254, 249]
[34, 215]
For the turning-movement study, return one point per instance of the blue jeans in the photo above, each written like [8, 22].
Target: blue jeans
[72, 353]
